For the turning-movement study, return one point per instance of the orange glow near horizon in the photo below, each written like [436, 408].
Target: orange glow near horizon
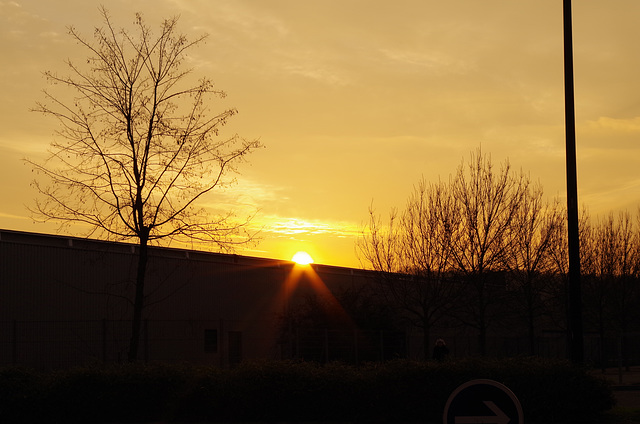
[306, 273]
[347, 110]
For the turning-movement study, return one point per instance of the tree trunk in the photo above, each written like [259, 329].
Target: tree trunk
[532, 334]
[138, 303]
[604, 357]
[482, 339]
[482, 317]
[425, 338]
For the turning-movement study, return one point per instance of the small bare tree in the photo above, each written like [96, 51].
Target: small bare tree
[138, 147]
[428, 222]
[611, 289]
[380, 245]
[412, 255]
[488, 202]
[535, 227]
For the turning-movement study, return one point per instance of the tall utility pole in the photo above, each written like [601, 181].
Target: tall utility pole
[575, 332]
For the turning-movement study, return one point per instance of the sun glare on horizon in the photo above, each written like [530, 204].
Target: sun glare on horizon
[302, 258]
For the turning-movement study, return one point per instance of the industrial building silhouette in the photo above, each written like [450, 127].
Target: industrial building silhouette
[65, 301]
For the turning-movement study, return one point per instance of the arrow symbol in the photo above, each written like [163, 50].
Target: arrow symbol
[499, 417]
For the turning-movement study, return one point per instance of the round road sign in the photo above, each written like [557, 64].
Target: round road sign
[482, 401]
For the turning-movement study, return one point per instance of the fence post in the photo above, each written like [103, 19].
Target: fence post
[14, 342]
[104, 340]
[289, 353]
[297, 330]
[146, 340]
[326, 345]
[620, 358]
[221, 342]
[355, 345]
[406, 342]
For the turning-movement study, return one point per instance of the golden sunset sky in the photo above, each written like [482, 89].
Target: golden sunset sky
[356, 100]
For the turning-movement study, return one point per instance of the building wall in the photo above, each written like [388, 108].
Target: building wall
[66, 301]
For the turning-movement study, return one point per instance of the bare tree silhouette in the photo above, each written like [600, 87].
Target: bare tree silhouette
[465, 228]
[138, 147]
[412, 254]
[611, 287]
[537, 226]
[488, 202]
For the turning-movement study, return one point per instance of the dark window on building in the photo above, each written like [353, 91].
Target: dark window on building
[210, 340]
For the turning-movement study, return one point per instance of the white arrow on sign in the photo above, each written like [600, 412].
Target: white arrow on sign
[499, 417]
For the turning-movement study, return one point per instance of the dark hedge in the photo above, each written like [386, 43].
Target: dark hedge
[285, 391]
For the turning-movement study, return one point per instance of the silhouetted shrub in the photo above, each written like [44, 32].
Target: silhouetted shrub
[20, 390]
[288, 391]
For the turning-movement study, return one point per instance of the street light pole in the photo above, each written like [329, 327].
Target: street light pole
[575, 331]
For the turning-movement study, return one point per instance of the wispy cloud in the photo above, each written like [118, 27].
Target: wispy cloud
[298, 227]
[433, 62]
[605, 198]
[14, 216]
[316, 72]
[615, 124]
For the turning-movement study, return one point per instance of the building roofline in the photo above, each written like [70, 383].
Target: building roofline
[75, 242]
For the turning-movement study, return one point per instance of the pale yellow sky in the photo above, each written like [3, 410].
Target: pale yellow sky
[357, 100]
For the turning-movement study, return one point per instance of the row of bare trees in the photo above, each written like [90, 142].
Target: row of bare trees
[611, 274]
[486, 249]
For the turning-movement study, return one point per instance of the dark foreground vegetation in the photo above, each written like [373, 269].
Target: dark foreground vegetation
[395, 391]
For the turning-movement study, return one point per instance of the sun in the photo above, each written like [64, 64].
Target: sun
[302, 258]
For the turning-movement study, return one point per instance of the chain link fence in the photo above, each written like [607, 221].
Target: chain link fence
[63, 344]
